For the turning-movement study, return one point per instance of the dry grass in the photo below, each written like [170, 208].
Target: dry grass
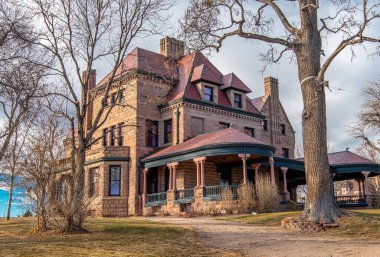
[106, 237]
[354, 224]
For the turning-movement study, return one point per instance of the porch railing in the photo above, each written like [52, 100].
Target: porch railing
[157, 197]
[341, 200]
[185, 194]
[216, 191]
[352, 199]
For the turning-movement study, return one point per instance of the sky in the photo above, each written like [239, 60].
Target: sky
[347, 77]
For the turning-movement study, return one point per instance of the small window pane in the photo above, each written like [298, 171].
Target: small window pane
[223, 125]
[283, 129]
[114, 180]
[285, 152]
[94, 180]
[250, 131]
[105, 137]
[151, 133]
[237, 101]
[209, 94]
[168, 131]
[265, 125]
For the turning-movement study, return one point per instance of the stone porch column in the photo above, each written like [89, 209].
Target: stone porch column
[273, 179]
[256, 167]
[244, 159]
[287, 195]
[366, 188]
[200, 170]
[146, 170]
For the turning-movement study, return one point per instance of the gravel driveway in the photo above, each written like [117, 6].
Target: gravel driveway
[272, 241]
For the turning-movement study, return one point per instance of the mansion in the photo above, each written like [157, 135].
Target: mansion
[181, 131]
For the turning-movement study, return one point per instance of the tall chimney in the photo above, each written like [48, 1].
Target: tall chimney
[172, 48]
[271, 91]
[91, 85]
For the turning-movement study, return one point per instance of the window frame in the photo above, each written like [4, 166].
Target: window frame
[113, 98]
[251, 129]
[110, 181]
[285, 153]
[112, 136]
[93, 182]
[149, 133]
[122, 96]
[105, 137]
[168, 139]
[240, 102]
[283, 129]
[221, 124]
[210, 95]
[120, 134]
[265, 125]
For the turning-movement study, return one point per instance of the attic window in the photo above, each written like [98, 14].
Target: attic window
[283, 130]
[209, 94]
[237, 101]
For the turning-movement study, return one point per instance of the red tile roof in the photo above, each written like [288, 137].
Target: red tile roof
[204, 72]
[259, 102]
[347, 157]
[147, 61]
[229, 135]
[232, 81]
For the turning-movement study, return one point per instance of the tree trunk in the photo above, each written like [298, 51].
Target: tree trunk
[10, 197]
[320, 202]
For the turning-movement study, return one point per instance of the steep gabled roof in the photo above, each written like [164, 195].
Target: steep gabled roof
[259, 102]
[231, 81]
[146, 61]
[204, 72]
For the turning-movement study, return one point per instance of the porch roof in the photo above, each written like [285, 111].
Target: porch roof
[221, 142]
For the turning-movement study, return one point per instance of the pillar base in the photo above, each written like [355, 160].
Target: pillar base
[286, 196]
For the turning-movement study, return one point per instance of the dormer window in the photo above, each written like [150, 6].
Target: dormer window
[238, 101]
[209, 94]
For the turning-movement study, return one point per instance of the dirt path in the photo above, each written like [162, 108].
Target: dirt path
[272, 241]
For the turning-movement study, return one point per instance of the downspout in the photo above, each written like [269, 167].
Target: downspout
[178, 114]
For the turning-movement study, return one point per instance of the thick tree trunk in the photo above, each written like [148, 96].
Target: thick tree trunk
[320, 202]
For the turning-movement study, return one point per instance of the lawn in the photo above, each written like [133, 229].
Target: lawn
[106, 237]
[354, 224]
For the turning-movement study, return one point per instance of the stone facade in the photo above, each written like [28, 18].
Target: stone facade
[145, 98]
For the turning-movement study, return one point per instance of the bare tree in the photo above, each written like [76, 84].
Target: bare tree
[367, 126]
[80, 33]
[21, 79]
[41, 161]
[207, 23]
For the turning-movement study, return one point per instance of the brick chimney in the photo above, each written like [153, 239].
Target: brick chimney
[91, 85]
[172, 48]
[271, 91]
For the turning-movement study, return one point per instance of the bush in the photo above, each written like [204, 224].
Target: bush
[268, 199]
[228, 201]
[246, 198]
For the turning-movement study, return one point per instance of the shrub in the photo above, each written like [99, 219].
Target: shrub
[228, 201]
[268, 199]
[246, 198]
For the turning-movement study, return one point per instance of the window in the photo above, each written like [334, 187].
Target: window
[93, 189]
[250, 131]
[113, 98]
[223, 125]
[209, 94]
[122, 96]
[105, 137]
[115, 180]
[105, 101]
[283, 129]
[237, 101]
[285, 152]
[265, 125]
[168, 131]
[120, 134]
[112, 136]
[197, 126]
[151, 133]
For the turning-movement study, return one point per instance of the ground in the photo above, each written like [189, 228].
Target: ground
[268, 239]
[106, 237]
[249, 235]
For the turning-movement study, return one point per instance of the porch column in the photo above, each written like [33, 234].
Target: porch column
[256, 167]
[172, 178]
[273, 179]
[200, 170]
[359, 186]
[287, 195]
[366, 188]
[244, 159]
[146, 170]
